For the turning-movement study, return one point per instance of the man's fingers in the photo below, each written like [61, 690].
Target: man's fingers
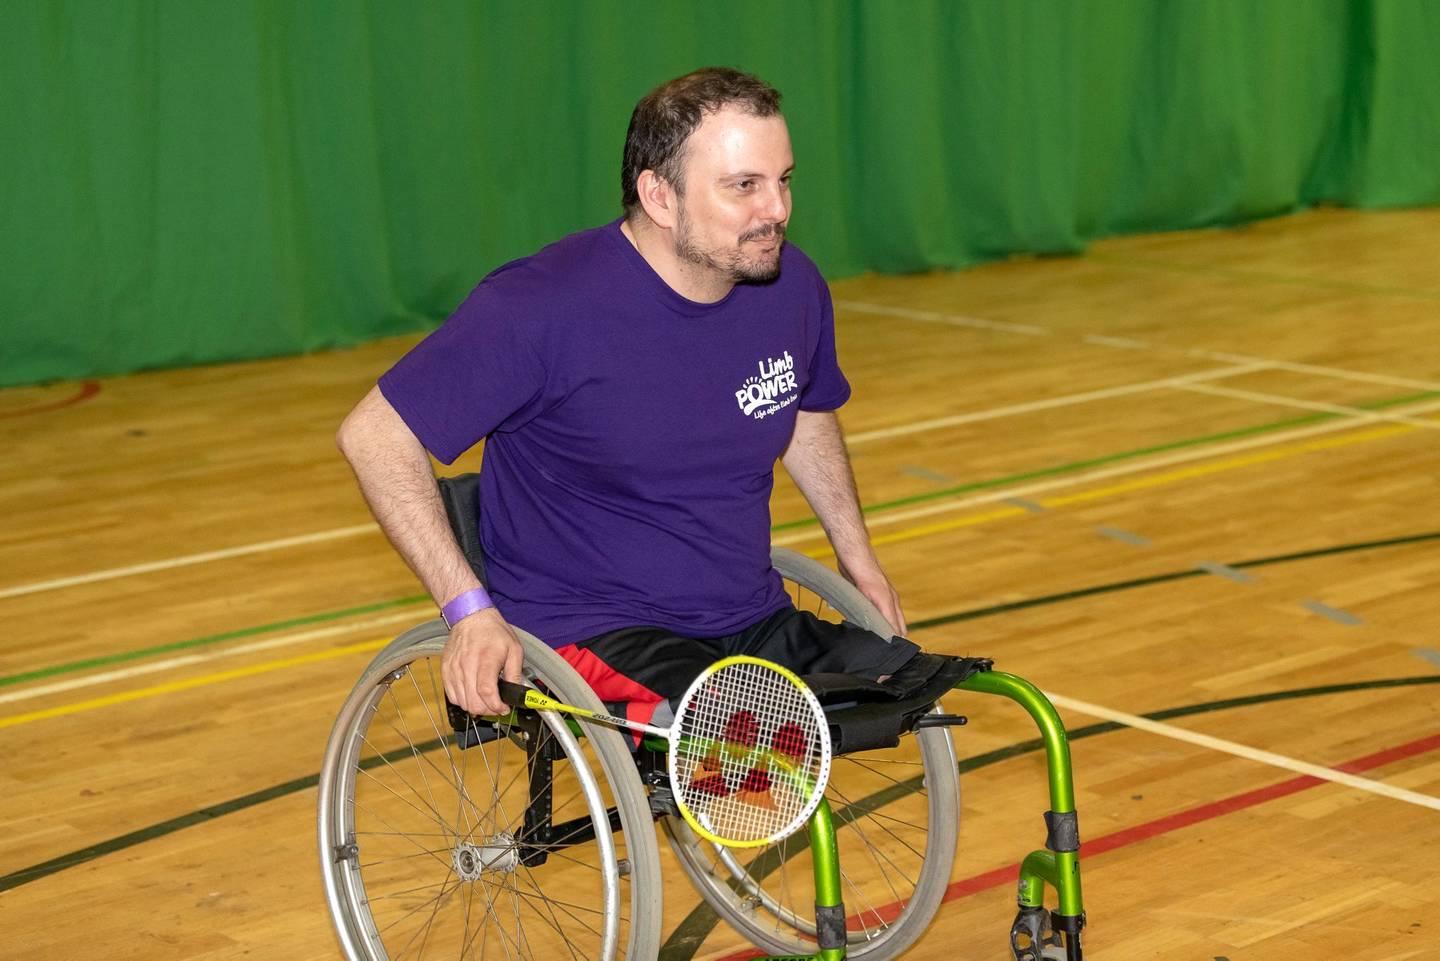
[899, 620]
[460, 684]
[454, 682]
[487, 693]
[887, 602]
[465, 692]
[451, 694]
[486, 676]
[514, 660]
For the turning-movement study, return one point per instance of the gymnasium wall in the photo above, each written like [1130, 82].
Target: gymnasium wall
[184, 182]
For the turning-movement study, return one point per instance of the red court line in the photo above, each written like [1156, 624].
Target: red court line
[87, 390]
[1239, 802]
[1010, 874]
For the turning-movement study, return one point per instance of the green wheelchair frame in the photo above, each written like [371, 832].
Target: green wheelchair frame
[1036, 934]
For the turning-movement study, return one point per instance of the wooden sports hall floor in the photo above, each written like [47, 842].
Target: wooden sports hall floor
[1193, 476]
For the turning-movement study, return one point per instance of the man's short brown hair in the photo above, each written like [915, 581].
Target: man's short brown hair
[666, 117]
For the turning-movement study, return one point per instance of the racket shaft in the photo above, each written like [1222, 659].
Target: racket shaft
[517, 695]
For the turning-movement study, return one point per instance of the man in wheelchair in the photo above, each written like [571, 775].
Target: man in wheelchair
[634, 385]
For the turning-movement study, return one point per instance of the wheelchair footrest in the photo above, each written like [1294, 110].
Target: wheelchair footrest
[1041, 935]
[1032, 938]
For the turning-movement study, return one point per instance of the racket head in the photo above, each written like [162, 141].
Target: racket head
[749, 753]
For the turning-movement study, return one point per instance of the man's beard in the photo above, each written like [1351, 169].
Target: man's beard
[732, 262]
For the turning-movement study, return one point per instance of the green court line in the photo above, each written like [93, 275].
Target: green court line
[1236, 273]
[1076, 466]
[136, 655]
[73, 666]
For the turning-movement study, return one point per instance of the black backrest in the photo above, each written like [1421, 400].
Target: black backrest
[461, 495]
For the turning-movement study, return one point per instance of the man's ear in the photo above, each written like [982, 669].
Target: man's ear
[658, 198]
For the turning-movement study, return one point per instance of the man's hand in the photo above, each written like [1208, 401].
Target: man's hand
[871, 581]
[481, 649]
[817, 461]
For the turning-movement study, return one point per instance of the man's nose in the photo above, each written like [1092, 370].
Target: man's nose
[773, 206]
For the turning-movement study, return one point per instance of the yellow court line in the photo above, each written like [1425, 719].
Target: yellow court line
[1126, 487]
[1233, 463]
[924, 530]
[155, 690]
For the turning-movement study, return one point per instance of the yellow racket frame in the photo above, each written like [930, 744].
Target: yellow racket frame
[816, 791]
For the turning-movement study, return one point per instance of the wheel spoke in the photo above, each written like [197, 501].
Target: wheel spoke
[433, 813]
[401, 834]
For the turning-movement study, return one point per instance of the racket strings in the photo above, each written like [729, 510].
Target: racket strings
[751, 753]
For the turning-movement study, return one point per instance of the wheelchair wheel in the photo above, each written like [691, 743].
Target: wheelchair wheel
[509, 847]
[896, 818]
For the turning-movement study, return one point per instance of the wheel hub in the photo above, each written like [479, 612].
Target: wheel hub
[498, 853]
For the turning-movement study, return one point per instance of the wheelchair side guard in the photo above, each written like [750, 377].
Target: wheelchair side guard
[1037, 934]
[866, 715]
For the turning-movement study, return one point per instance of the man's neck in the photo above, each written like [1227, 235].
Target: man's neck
[691, 281]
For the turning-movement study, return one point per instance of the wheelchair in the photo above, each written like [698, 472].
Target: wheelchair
[533, 835]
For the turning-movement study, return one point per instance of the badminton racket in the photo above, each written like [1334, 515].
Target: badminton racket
[749, 749]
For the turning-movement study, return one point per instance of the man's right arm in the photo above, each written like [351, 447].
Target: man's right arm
[393, 469]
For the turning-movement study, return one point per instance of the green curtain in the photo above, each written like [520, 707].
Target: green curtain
[203, 180]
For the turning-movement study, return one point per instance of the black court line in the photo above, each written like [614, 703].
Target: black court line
[1167, 577]
[76, 858]
[202, 815]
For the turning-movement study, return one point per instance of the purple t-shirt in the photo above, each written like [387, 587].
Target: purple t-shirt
[632, 433]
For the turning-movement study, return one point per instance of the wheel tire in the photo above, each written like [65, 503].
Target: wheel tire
[753, 892]
[418, 838]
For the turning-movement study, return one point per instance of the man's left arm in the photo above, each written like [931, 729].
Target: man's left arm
[817, 461]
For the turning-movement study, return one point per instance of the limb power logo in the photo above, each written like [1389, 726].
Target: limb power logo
[770, 389]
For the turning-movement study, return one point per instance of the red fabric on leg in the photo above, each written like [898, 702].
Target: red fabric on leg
[607, 683]
[610, 685]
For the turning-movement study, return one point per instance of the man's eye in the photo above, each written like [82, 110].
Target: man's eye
[745, 184]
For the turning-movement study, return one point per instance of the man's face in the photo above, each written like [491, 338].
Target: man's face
[732, 216]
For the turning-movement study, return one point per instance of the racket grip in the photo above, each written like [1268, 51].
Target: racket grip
[512, 693]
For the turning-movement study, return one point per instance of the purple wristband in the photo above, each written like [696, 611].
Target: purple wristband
[471, 602]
